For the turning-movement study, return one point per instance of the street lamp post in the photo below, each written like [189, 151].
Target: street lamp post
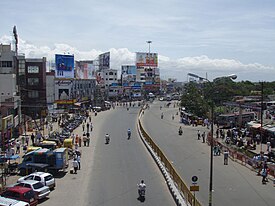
[232, 76]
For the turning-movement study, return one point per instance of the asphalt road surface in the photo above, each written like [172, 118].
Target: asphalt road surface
[232, 184]
[110, 172]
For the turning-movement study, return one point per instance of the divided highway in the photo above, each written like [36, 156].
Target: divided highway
[110, 172]
[233, 184]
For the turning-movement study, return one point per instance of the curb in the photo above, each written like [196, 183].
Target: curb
[180, 201]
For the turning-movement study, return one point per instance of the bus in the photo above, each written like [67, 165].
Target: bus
[235, 119]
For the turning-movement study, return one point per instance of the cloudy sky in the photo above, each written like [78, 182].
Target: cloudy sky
[213, 37]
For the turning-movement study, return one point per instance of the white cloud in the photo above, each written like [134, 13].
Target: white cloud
[176, 68]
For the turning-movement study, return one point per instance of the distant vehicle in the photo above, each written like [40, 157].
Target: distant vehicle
[45, 178]
[168, 98]
[43, 159]
[235, 119]
[12, 202]
[41, 191]
[21, 193]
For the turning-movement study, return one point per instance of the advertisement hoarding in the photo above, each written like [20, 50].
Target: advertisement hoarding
[104, 61]
[146, 59]
[84, 70]
[64, 66]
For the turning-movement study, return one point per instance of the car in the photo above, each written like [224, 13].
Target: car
[12, 202]
[46, 178]
[41, 191]
[21, 193]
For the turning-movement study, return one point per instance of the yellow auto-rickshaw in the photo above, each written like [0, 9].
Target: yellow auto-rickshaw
[48, 144]
[32, 148]
[68, 143]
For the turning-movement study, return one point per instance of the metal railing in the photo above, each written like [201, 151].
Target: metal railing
[183, 188]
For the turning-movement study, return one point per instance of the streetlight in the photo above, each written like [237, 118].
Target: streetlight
[231, 76]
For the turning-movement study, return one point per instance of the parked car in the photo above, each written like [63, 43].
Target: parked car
[45, 178]
[21, 193]
[41, 191]
[12, 202]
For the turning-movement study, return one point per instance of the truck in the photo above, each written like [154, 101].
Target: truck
[44, 160]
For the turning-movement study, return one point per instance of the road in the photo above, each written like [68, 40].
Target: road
[233, 184]
[109, 173]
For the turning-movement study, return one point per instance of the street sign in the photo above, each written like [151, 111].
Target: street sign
[194, 188]
[195, 178]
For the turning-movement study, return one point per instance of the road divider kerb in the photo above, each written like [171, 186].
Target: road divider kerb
[180, 192]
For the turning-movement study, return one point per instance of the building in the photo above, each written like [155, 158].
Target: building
[10, 103]
[50, 91]
[34, 102]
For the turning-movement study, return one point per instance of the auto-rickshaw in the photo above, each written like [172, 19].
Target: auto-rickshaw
[68, 143]
[32, 148]
[48, 144]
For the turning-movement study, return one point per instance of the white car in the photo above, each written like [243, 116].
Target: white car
[41, 191]
[45, 178]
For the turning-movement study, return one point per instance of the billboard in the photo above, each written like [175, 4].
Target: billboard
[104, 61]
[64, 66]
[146, 59]
[129, 69]
[85, 70]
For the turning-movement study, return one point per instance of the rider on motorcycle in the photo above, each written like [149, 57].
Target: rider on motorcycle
[129, 133]
[141, 188]
[180, 130]
[107, 137]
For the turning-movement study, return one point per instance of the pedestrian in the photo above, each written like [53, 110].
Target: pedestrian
[90, 119]
[32, 138]
[264, 175]
[75, 165]
[88, 139]
[85, 140]
[23, 140]
[80, 140]
[27, 140]
[78, 161]
[199, 135]
[18, 144]
[83, 127]
[225, 157]
[203, 137]
[88, 126]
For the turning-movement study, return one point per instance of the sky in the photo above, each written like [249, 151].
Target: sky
[210, 38]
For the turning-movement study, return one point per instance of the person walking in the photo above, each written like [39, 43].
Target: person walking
[32, 138]
[18, 144]
[91, 126]
[78, 161]
[27, 140]
[85, 140]
[88, 139]
[83, 127]
[80, 141]
[203, 137]
[199, 135]
[225, 157]
[75, 165]
[88, 126]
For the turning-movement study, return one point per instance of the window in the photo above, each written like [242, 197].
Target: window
[33, 69]
[33, 94]
[33, 81]
[6, 64]
[111, 73]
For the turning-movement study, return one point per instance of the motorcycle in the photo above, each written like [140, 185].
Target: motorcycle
[180, 132]
[141, 193]
[161, 116]
[107, 139]
[129, 135]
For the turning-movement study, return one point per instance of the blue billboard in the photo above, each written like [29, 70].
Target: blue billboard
[64, 66]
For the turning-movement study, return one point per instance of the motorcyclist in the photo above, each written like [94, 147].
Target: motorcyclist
[161, 116]
[107, 138]
[129, 133]
[141, 188]
[180, 130]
